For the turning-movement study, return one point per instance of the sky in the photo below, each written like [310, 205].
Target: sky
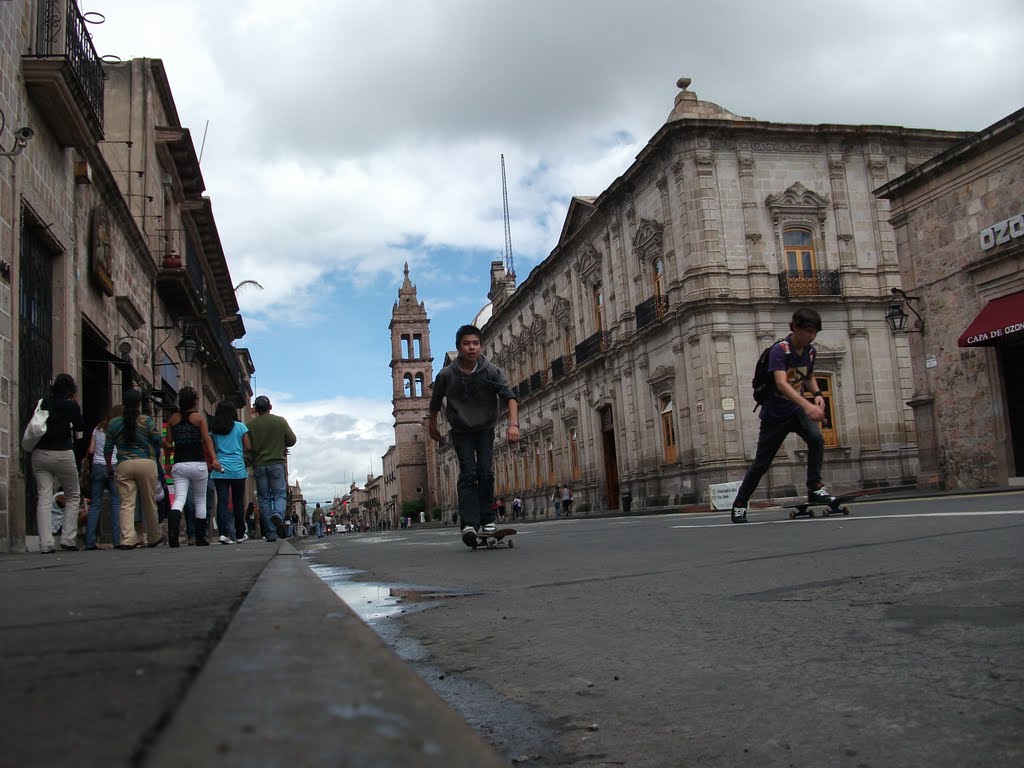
[343, 139]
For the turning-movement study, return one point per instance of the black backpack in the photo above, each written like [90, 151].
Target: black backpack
[763, 381]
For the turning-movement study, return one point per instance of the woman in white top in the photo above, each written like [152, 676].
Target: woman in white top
[100, 482]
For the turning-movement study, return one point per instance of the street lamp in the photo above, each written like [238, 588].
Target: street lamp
[896, 317]
[187, 348]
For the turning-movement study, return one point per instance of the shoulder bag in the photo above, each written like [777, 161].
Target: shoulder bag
[36, 427]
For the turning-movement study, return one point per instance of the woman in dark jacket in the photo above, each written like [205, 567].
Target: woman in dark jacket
[53, 459]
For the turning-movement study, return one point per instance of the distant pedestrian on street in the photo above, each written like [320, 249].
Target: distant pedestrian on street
[189, 437]
[471, 388]
[250, 520]
[271, 438]
[318, 521]
[566, 501]
[231, 441]
[101, 482]
[137, 440]
[517, 507]
[791, 364]
[53, 463]
[556, 501]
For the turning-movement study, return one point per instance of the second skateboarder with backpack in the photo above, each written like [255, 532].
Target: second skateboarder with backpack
[784, 409]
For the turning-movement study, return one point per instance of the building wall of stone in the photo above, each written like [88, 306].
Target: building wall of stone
[40, 180]
[937, 228]
[699, 198]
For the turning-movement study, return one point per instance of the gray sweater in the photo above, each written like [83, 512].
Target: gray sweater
[472, 398]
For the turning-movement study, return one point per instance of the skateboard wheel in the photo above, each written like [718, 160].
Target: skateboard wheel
[511, 543]
[792, 514]
[846, 510]
[810, 513]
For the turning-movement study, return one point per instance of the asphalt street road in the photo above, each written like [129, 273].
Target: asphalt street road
[893, 637]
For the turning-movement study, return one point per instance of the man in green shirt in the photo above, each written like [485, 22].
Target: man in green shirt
[271, 438]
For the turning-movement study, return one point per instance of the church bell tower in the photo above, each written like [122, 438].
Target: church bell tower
[411, 376]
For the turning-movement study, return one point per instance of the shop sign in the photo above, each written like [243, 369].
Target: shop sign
[1003, 232]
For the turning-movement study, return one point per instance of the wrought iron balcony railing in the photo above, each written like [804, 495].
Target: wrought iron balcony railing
[592, 346]
[649, 311]
[537, 380]
[524, 388]
[61, 32]
[227, 352]
[825, 283]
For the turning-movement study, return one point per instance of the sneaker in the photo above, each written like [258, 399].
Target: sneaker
[269, 540]
[282, 531]
[245, 537]
[469, 535]
[738, 514]
[490, 527]
[191, 541]
[820, 496]
[225, 540]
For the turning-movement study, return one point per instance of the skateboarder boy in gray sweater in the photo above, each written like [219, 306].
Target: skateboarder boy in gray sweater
[471, 387]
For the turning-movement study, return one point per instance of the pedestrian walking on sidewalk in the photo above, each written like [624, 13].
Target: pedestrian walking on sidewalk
[53, 463]
[137, 440]
[271, 438]
[189, 437]
[786, 410]
[318, 521]
[232, 443]
[566, 500]
[100, 482]
[471, 388]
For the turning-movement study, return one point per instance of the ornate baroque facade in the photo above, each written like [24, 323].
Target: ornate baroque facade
[633, 343]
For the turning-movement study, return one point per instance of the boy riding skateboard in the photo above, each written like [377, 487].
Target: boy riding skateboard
[791, 364]
[471, 387]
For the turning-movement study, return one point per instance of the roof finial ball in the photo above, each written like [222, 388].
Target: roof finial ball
[683, 83]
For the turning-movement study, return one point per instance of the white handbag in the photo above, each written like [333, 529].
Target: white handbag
[35, 428]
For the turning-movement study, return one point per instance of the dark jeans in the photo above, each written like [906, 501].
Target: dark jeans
[231, 524]
[773, 433]
[475, 451]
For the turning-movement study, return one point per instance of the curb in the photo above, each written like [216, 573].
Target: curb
[298, 678]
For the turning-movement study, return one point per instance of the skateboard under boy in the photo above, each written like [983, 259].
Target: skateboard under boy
[491, 540]
[837, 507]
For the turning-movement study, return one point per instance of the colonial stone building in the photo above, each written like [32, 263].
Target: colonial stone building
[959, 221]
[633, 343]
[411, 375]
[121, 278]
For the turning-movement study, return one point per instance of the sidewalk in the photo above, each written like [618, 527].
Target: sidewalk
[235, 656]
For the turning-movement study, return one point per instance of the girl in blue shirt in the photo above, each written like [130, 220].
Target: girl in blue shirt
[231, 441]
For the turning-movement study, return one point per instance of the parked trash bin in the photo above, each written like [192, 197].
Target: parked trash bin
[627, 501]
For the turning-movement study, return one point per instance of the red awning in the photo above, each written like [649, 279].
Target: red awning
[1001, 320]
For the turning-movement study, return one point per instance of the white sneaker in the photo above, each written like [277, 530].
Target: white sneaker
[490, 528]
[225, 540]
[245, 537]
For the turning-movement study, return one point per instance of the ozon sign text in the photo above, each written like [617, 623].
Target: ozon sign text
[1002, 232]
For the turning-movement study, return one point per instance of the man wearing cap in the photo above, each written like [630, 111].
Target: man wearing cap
[271, 437]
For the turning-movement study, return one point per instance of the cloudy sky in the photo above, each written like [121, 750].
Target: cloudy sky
[346, 138]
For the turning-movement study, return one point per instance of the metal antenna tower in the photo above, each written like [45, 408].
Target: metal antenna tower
[509, 263]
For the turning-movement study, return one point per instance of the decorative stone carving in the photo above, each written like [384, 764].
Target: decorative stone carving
[560, 311]
[754, 237]
[647, 242]
[846, 237]
[589, 261]
[797, 199]
[662, 378]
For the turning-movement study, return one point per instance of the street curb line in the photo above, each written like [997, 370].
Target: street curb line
[298, 678]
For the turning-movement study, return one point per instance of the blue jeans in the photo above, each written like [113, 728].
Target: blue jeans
[100, 482]
[231, 524]
[271, 490]
[318, 528]
[475, 451]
